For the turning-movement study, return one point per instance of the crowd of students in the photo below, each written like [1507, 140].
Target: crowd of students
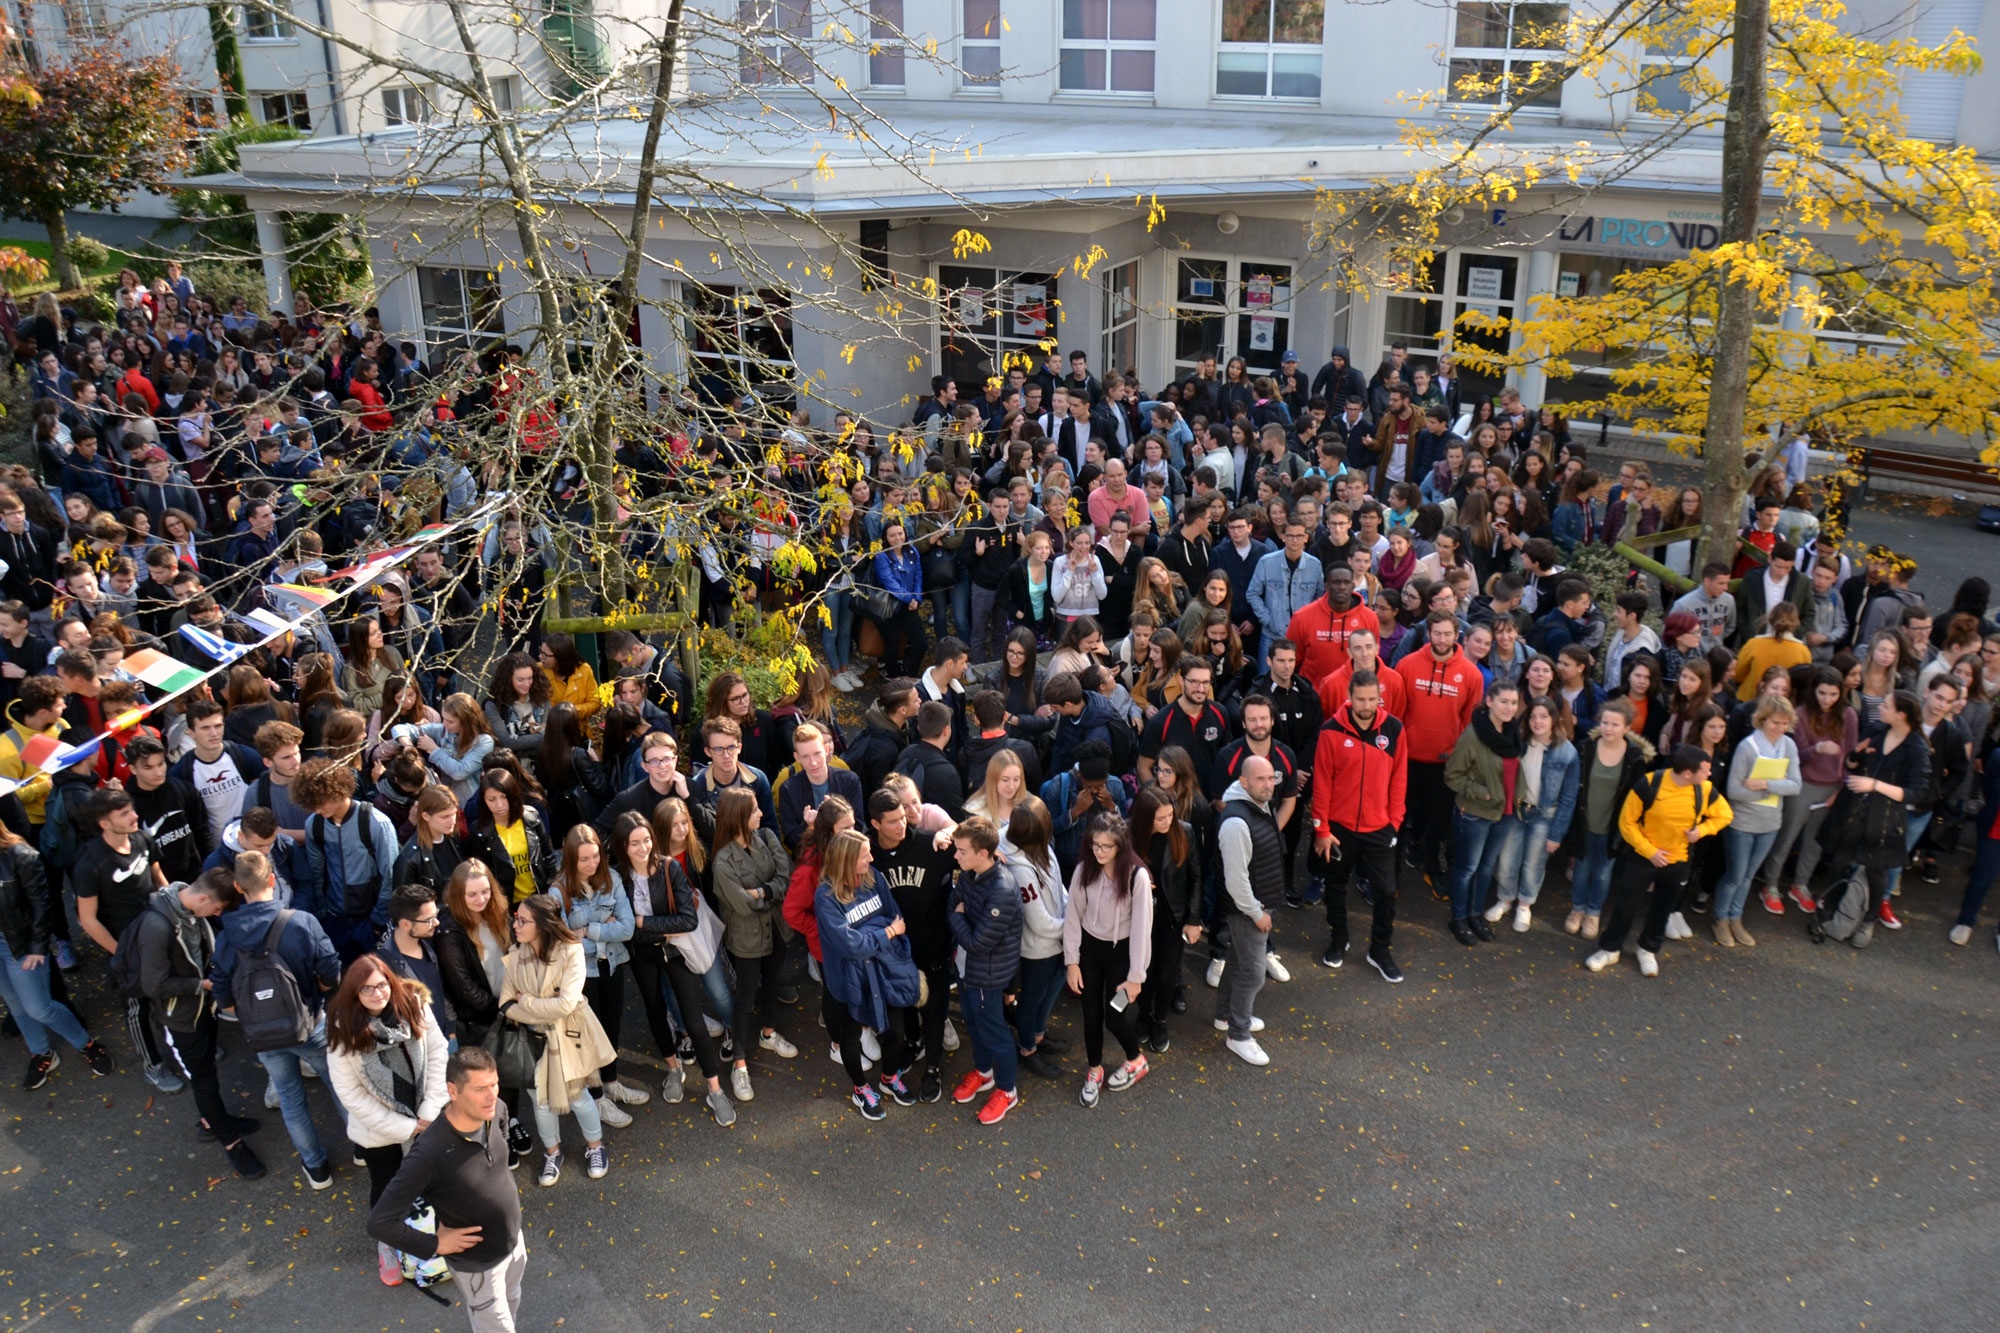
[1152, 672]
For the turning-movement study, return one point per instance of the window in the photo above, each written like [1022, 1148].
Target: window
[461, 309]
[990, 320]
[407, 106]
[1225, 308]
[741, 339]
[1121, 318]
[1414, 315]
[1270, 48]
[1107, 46]
[506, 93]
[201, 117]
[885, 43]
[775, 33]
[979, 44]
[1502, 51]
[286, 109]
[85, 18]
[272, 24]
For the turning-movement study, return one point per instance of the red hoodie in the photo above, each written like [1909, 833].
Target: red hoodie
[1320, 634]
[1359, 774]
[1333, 691]
[1441, 699]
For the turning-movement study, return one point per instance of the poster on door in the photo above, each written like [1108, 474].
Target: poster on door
[1257, 292]
[1031, 310]
[1263, 333]
[971, 307]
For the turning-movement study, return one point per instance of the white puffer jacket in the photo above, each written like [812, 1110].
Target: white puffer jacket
[373, 1122]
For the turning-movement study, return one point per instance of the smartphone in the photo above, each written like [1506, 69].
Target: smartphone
[1118, 1001]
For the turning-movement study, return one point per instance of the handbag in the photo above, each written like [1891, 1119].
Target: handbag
[516, 1050]
[878, 604]
[697, 947]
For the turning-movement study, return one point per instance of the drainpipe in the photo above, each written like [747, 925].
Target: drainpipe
[332, 62]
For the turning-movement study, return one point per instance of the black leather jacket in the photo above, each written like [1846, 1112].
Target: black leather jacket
[27, 913]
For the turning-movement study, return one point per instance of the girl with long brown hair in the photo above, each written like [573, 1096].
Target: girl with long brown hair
[751, 872]
[543, 989]
[1107, 944]
[858, 923]
[601, 916]
[1163, 841]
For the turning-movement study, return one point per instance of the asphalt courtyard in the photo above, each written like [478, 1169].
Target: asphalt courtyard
[1791, 1136]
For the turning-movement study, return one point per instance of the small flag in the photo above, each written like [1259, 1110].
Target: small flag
[212, 644]
[71, 756]
[162, 672]
[38, 751]
[268, 621]
[299, 599]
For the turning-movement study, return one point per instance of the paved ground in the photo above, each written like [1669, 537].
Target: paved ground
[1792, 1137]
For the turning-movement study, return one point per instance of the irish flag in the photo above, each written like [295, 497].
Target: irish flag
[162, 672]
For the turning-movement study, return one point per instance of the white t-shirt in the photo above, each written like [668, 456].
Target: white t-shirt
[220, 786]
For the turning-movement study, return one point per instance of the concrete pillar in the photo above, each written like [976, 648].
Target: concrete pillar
[277, 264]
[1532, 381]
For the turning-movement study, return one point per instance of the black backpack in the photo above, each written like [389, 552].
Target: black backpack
[125, 963]
[270, 1011]
[350, 900]
[1124, 746]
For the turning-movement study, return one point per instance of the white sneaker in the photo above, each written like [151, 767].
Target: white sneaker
[950, 1036]
[871, 1050]
[778, 1046]
[1274, 968]
[1600, 960]
[627, 1094]
[1649, 964]
[673, 1087]
[612, 1114]
[1215, 966]
[1524, 916]
[1498, 910]
[1248, 1051]
[739, 1084]
[270, 1096]
[1678, 929]
[1256, 1024]
[834, 1051]
[1961, 934]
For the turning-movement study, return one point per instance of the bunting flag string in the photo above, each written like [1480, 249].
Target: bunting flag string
[169, 678]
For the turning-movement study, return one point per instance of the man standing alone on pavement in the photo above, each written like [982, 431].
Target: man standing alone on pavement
[1253, 875]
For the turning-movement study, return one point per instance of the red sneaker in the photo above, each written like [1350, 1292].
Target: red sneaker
[971, 1086]
[1772, 902]
[1801, 899]
[997, 1106]
[1889, 917]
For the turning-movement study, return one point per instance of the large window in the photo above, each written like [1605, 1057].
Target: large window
[885, 43]
[979, 43]
[740, 339]
[461, 310]
[1270, 48]
[285, 109]
[990, 320]
[775, 36]
[268, 24]
[1227, 307]
[1121, 318]
[1502, 51]
[1107, 46]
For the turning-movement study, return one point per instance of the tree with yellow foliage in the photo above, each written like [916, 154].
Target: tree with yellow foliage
[1833, 219]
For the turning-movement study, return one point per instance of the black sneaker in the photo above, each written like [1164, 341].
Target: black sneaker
[1180, 999]
[519, 1140]
[244, 1158]
[235, 1127]
[787, 993]
[1480, 927]
[899, 1091]
[1334, 956]
[1041, 1066]
[1385, 963]
[930, 1087]
[869, 1102]
[1050, 1044]
[38, 1069]
[98, 1058]
[1462, 932]
[319, 1177]
[1159, 1042]
[1927, 870]
[1293, 900]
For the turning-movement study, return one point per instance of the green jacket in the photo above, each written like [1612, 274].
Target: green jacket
[1473, 773]
[737, 871]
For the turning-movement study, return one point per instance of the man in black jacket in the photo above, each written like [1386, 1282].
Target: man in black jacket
[459, 1166]
[885, 731]
[989, 737]
[1295, 721]
[30, 555]
[170, 814]
[1338, 381]
[984, 916]
[990, 549]
[920, 877]
[926, 763]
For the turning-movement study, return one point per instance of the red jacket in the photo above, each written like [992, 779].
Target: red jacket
[1333, 691]
[1359, 774]
[799, 914]
[1441, 699]
[1320, 635]
[375, 413]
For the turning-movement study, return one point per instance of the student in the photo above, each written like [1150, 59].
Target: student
[1887, 773]
[601, 916]
[919, 873]
[27, 922]
[866, 968]
[1358, 804]
[1758, 802]
[751, 869]
[350, 857]
[1483, 773]
[983, 914]
[1661, 817]
[176, 822]
[927, 764]
[1252, 859]
[1545, 789]
[543, 989]
[113, 880]
[1164, 844]
[1107, 944]
[217, 770]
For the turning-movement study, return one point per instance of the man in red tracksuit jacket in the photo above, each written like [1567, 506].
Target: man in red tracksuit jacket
[1320, 627]
[1361, 772]
[1442, 690]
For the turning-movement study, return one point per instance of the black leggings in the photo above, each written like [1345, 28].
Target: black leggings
[844, 1028]
[1105, 966]
[693, 1001]
[756, 990]
[926, 1022]
[606, 996]
[910, 625]
[649, 976]
[382, 1166]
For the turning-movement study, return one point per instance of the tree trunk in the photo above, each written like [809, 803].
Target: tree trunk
[228, 62]
[1746, 144]
[61, 266]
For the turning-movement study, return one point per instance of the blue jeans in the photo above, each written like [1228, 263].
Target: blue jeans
[1591, 884]
[992, 1043]
[836, 639]
[283, 1067]
[961, 604]
[1746, 851]
[1524, 859]
[1912, 831]
[26, 991]
[548, 1125]
[1041, 986]
[1475, 852]
[1985, 869]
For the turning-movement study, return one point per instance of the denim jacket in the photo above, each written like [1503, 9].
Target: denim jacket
[604, 921]
[1556, 805]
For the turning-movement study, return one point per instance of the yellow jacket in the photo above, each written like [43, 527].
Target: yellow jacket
[1762, 653]
[1663, 826]
[579, 691]
[34, 790]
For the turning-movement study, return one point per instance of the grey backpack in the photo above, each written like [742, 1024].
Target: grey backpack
[1847, 904]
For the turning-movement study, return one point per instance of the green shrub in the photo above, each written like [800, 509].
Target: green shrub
[89, 253]
[225, 280]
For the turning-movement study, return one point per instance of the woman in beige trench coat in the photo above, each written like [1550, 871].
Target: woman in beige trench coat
[543, 989]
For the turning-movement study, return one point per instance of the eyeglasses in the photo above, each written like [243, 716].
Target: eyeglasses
[423, 920]
[373, 987]
[723, 749]
[742, 698]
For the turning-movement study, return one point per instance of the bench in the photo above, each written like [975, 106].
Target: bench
[1970, 478]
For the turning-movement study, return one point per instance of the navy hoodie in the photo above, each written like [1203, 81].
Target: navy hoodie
[304, 947]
